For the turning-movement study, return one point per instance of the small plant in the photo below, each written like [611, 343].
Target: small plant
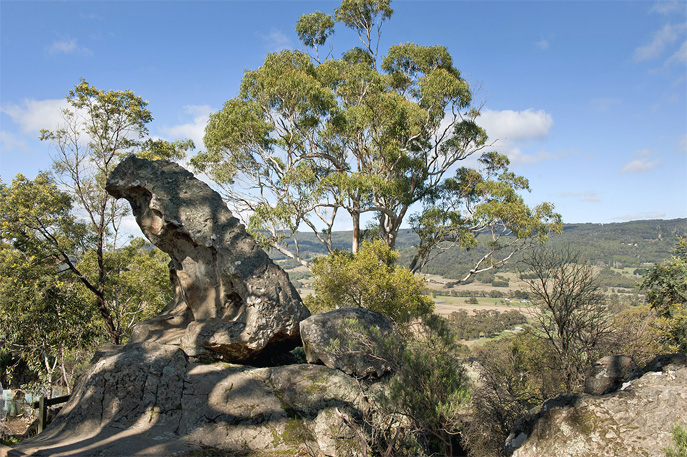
[679, 442]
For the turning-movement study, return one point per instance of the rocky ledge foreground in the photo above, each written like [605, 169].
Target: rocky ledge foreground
[634, 421]
[149, 399]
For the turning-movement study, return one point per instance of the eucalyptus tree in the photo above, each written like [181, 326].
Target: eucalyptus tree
[311, 139]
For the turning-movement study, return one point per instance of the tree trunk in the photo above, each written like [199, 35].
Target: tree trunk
[355, 242]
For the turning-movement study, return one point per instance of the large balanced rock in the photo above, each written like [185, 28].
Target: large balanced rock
[609, 373]
[636, 420]
[148, 399]
[348, 339]
[230, 300]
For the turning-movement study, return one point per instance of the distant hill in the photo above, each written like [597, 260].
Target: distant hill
[635, 244]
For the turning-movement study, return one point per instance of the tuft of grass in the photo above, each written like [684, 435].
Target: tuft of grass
[679, 448]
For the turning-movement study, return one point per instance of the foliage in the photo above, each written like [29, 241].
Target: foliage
[309, 140]
[99, 129]
[638, 331]
[136, 283]
[49, 264]
[572, 314]
[666, 291]
[165, 150]
[427, 397]
[368, 279]
[679, 448]
[43, 318]
[484, 323]
[505, 392]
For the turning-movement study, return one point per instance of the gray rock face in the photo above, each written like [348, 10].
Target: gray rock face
[636, 420]
[609, 373]
[230, 300]
[148, 399]
[348, 339]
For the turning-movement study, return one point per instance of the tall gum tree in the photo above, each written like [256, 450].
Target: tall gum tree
[309, 140]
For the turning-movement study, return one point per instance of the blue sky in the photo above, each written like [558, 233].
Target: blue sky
[587, 98]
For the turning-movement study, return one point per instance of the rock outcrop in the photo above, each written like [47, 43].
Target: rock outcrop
[148, 399]
[231, 302]
[609, 373]
[636, 420]
[348, 339]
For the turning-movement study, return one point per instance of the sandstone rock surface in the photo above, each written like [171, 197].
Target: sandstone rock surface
[348, 339]
[148, 399]
[231, 301]
[636, 420]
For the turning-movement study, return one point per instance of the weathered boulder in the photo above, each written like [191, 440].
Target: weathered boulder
[636, 420]
[609, 373]
[348, 339]
[149, 399]
[230, 301]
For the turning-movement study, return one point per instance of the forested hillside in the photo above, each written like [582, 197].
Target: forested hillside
[635, 244]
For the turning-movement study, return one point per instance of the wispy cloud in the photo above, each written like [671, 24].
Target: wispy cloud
[68, 46]
[543, 44]
[33, 115]
[680, 57]
[682, 143]
[195, 130]
[661, 40]
[637, 216]
[275, 40]
[639, 166]
[583, 196]
[604, 104]
[667, 6]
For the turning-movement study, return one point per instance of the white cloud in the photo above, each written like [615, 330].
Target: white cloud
[33, 115]
[543, 44]
[660, 41]
[680, 57]
[68, 46]
[604, 104]
[639, 166]
[275, 40]
[583, 196]
[195, 130]
[516, 125]
[516, 156]
[634, 217]
[513, 129]
[682, 143]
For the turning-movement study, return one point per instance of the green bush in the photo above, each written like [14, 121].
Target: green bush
[368, 279]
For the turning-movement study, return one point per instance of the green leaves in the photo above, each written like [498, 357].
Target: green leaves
[314, 29]
[666, 292]
[369, 280]
[376, 141]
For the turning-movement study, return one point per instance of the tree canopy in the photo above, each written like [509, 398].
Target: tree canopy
[312, 139]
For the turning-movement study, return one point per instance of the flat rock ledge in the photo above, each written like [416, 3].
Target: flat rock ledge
[636, 420]
[149, 400]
